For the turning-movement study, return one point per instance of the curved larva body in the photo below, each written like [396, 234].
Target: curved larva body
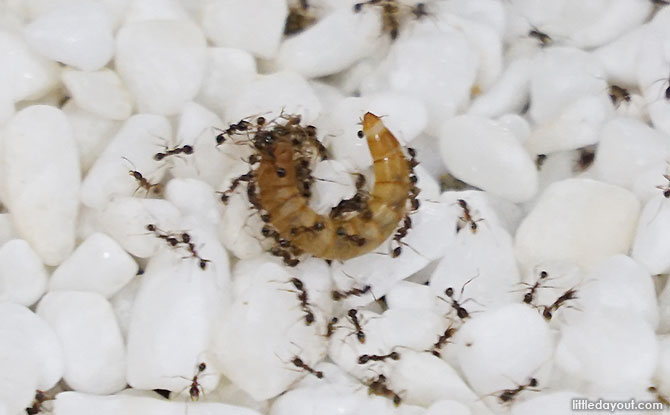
[289, 210]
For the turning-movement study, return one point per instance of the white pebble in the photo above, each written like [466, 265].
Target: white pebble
[448, 407]
[75, 403]
[100, 92]
[663, 369]
[268, 95]
[131, 149]
[266, 328]
[551, 403]
[143, 10]
[162, 62]
[34, 336]
[23, 278]
[628, 146]
[333, 44]
[508, 94]
[28, 75]
[620, 57]
[483, 153]
[621, 286]
[91, 133]
[499, 347]
[608, 350]
[94, 351]
[7, 231]
[333, 184]
[42, 169]
[18, 377]
[98, 265]
[228, 71]
[651, 247]
[177, 303]
[194, 197]
[256, 26]
[598, 220]
[78, 35]
[560, 76]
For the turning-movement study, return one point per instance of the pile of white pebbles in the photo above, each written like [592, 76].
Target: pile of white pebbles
[532, 274]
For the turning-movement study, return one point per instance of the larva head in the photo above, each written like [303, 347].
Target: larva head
[372, 124]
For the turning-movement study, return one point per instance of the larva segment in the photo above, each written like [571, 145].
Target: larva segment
[339, 239]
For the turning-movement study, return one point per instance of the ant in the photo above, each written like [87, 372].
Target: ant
[186, 149]
[659, 397]
[466, 218]
[666, 188]
[196, 389]
[296, 361]
[530, 295]
[508, 395]
[339, 295]
[378, 387]
[331, 326]
[401, 233]
[618, 94]
[304, 300]
[442, 340]
[36, 406]
[286, 256]
[390, 15]
[586, 157]
[364, 358]
[548, 311]
[355, 239]
[539, 160]
[184, 240]
[155, 188]
[353, 315]
[457, 305]
[419, 11]
[247, 177]
[298, 18]
[202, 263]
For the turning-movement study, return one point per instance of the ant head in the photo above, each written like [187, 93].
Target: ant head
[185, 238]
[260, 120]
[396, 252]
[309, 318]
[396, 400]
[449, 292]
[201, 367]
[527, 298]
[203, 264]
[220, 139]
[352, 313]
[187, 149]
[360, 134]
[151, 227]
[363, 359]
[281, 172]
[532, 383]
[159, 156]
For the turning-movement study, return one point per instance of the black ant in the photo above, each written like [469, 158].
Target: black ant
[400, 234]
[457, 305]
[298, 18]
[143, 183]
[586, 157]
[543, 38]
[286, 256]
[183, 240]
[508, 395]
[548, 311]
[466, 218]
[378, 387]
[186, 149]
[247, 177]
[296, 361]
[353, 315]
[442, 340]
[659, 397]
[530, 295]
[339, 295]
[196, 389]
[36, 406]
[331, 326]
[419, 11]
[304, 300]
[364, 358]
[355, 239]
[666, 188]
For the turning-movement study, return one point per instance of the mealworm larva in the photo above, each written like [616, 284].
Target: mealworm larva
[336, 238]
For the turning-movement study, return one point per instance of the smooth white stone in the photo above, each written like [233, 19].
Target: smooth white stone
[620, 56]
[268, 95]
[94, 351]
[621, 286]
[560, 76]
[131, 149]
[75, 403]
[228, 71]
[406, 116]
[39, 179]
[177, 303]
[23, 278]
[7, 231]
[651, 246]
[256, 26]
[18, 377]
[578, 125]
[608, 350]
[448, 407]
[406, 294]
[627, 147]
[198, 128]
[333, 44]
[517, 125]
[508, 94]
[100, 92]
[125, 219]
[500, 347]
[439, 69]
[664, 310]
[35, 8]
[91, 133]
[143, 10]
[162, 63]
[98, 265]
[24, 329]
[483, 153]
[266, 307]
[78, 35]
[662, 375]
[597, 220]
[230, 394]
[196, 198]
[427, 379]
[340, 394]
[25, 74]
[550, 403]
